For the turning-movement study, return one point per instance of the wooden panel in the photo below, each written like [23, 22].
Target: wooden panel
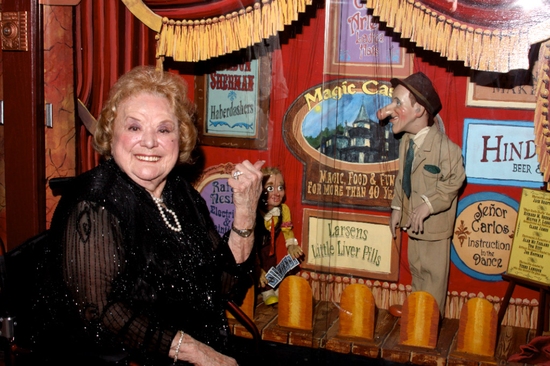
[23, 73]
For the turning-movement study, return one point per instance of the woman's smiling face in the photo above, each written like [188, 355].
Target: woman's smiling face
[145, 141]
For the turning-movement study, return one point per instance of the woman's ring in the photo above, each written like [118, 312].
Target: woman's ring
[236, 174]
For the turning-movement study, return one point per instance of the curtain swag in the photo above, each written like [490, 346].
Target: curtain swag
[198, 40]
[542, 131]
[481, 48]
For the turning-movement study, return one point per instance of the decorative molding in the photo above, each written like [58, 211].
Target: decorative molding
[59, 2]
[14, 27]
[144, 14]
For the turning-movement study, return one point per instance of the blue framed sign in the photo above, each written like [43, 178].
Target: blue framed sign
[501, 153]
[233, 105]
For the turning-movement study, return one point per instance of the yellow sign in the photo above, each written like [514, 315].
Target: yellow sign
[531, 247]
[361, 245]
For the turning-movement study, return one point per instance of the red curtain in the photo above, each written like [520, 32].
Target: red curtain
[109, 41]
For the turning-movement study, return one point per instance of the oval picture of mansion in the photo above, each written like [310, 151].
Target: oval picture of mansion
[347, 129]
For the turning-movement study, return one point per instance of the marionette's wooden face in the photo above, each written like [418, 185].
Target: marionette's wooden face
[402, 113]
[274, 189]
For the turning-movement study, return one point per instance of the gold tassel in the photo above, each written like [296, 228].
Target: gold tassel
[177, 39]
[293, 10]
[284, 11]
[224, 35]
[388, 13]
[250, 26]
[231, 37]
[515, 43]
[266, 10]
[159, 64]
[420, 27]
[432, 35]
[385, 11]
[494, 60]
[207, 41]
[452, 53]
[505, 46]
[462, 47]
[211, 39]
[408, 11]
[427, 29]
[416, 22]
[256, 27]
[468, 45]
[432, 29]
[279, 17]
[170, 38]
[199, 35]
[234, 26]
[446, 36]
[244, 20]
[189, 51]
[477, 47]
[484, 52]
[161, 43]
[225, 29]
[399, 16]
[216, 32]
[239, 31]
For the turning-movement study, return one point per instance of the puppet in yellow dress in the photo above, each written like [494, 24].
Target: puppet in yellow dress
[272, 219]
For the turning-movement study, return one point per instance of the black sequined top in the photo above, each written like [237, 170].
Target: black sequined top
[132, 282]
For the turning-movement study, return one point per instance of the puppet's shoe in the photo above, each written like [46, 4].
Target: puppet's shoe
[272, 300]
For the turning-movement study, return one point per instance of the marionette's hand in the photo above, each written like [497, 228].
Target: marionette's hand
[263, 279]
[295, 251]
[417, 217]
[394, 221]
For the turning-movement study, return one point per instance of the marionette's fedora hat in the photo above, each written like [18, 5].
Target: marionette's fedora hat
[422, 89]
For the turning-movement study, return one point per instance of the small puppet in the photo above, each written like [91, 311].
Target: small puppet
[272, 219]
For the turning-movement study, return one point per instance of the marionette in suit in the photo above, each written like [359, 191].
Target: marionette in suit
[431, 173]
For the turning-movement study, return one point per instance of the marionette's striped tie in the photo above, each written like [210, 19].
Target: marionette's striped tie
[407, 169]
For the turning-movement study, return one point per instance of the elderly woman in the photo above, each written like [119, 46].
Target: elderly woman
[133, 243]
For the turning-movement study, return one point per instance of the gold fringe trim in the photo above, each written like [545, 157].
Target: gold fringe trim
[484, 49]
[197, 40]
[542, 131]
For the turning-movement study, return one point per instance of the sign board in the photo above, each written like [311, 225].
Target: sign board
[483, 235]
[501, 153]
[531, 246]
[350, 244]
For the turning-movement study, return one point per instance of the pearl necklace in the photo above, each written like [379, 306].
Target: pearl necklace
[159, 202]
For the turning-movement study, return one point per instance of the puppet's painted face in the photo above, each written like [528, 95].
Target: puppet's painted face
[274, 189]
[401, 113]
